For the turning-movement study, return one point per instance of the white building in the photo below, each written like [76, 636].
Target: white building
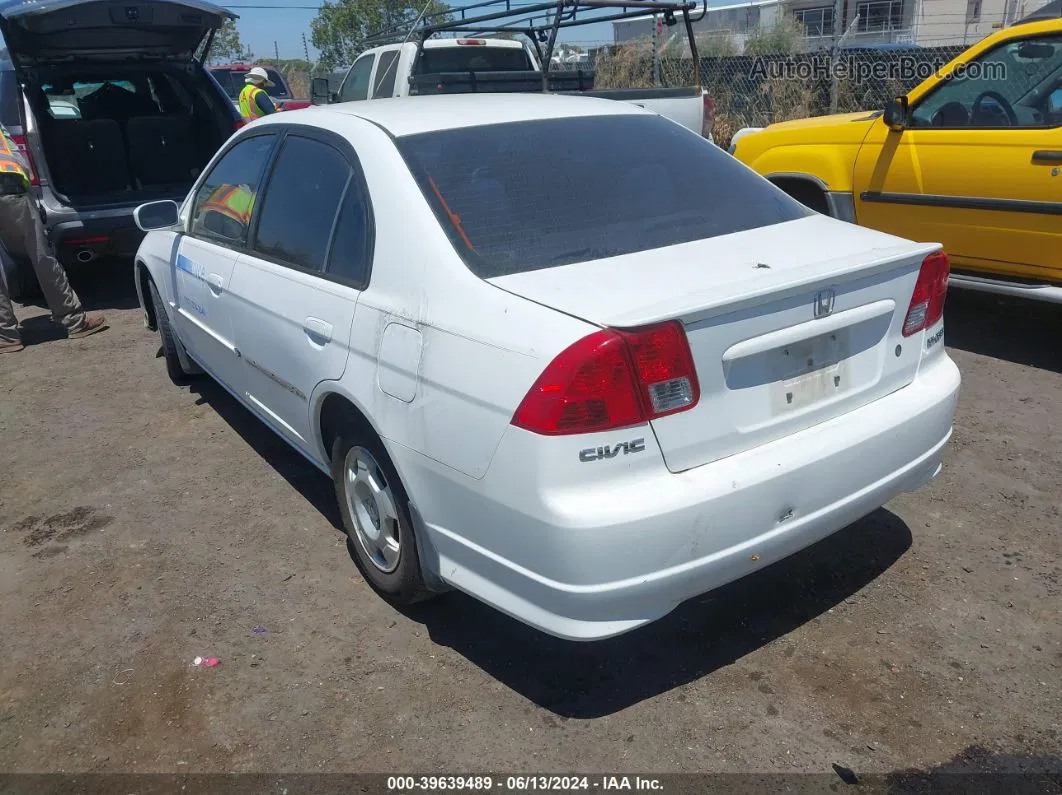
[924, 23]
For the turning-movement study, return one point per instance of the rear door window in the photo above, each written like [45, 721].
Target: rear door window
[474, 58]
[540, 194]
[384, 84]
[356, 86]
[350, 256]
[301, 202]
[225, 200]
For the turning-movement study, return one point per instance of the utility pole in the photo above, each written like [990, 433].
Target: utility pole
[658, 29]
[276, 51]
[305, 49]
[835, 60]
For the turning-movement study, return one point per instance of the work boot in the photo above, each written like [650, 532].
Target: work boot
[89, 326]
[11, 347]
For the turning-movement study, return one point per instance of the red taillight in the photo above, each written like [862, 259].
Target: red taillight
[20, 142]
[612, 379]
[927, 303]
[709, 105]
[86, 241]
[239, 123]
[472, 42]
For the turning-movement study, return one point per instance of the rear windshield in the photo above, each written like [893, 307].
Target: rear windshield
[529, 195]
[473, 58]
[233, 81]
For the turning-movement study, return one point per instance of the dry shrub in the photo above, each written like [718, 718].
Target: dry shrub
[298, 83]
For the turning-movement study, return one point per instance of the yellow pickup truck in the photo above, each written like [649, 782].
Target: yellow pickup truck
[971, 159]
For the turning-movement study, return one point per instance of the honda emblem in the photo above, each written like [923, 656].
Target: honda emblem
[824, 303]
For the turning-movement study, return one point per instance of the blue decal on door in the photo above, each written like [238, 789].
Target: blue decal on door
[186, 265]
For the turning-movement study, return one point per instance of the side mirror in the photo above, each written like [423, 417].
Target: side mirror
[319, 93]
[896, 114]
[157, 215]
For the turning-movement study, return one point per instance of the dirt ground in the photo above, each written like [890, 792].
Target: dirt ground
[142, 525]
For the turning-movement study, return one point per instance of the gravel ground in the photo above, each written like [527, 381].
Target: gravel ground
[143, 525]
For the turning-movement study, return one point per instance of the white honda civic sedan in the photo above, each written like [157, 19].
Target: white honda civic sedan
[559, 353]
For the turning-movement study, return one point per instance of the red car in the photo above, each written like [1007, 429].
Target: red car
[231, 78]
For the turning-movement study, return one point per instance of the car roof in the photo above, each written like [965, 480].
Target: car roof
[412, 115]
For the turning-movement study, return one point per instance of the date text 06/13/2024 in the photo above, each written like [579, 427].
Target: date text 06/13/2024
[401, 785]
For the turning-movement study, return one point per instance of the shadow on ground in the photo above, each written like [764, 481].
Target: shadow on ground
[586, 680]
[976, 769]
[1014, 329]
[295, 469]
[589, 680]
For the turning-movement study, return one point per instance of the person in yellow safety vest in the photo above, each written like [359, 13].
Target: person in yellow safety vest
[254, 101]
[22, 234]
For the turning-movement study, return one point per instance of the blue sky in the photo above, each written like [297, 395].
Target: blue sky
[276, 20]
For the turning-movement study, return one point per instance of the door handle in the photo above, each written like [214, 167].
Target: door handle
[1047, 156]
[217, 284]
[317, 330]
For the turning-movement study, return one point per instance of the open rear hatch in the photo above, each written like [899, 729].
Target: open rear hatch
[788, 325]
[51, 31]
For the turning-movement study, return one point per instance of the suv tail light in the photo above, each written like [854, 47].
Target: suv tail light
[927, 303]
[612, 379]
[23, 147]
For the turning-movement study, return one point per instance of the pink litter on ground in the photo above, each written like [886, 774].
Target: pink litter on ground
[206, 662]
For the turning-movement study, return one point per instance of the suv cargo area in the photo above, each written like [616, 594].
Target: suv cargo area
[123, 134]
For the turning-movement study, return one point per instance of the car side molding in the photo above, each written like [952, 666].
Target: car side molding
[963, 202]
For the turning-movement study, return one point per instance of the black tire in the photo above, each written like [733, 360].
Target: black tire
[169, 343]
[404, 583]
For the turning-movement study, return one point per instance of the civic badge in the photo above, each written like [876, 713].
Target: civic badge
[824, 303]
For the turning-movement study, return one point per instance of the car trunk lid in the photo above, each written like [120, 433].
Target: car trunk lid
[789, 325]
[52, 31]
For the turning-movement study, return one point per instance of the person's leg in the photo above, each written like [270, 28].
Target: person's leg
[59, 295]
[10, 341]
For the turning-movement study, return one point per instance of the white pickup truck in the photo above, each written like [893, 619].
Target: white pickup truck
[494, 65]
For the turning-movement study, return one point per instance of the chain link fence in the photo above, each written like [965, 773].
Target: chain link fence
[757, 90]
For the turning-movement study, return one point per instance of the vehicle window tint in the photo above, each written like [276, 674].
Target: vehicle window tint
[301, 202]
[279, 87]
[473, 59]
[527, 195]
[351, 252]
[356, 86]
[225, 201]
[9, 97]
[384, 84]
[227, 80]
[1010, 86]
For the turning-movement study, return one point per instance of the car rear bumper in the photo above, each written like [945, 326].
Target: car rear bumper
[585, 560]
[101, 235]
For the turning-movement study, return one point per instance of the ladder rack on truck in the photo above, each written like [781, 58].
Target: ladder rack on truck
[541, 22]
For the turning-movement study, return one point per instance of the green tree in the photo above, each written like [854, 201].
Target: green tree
[227, 47]
[341, 26]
